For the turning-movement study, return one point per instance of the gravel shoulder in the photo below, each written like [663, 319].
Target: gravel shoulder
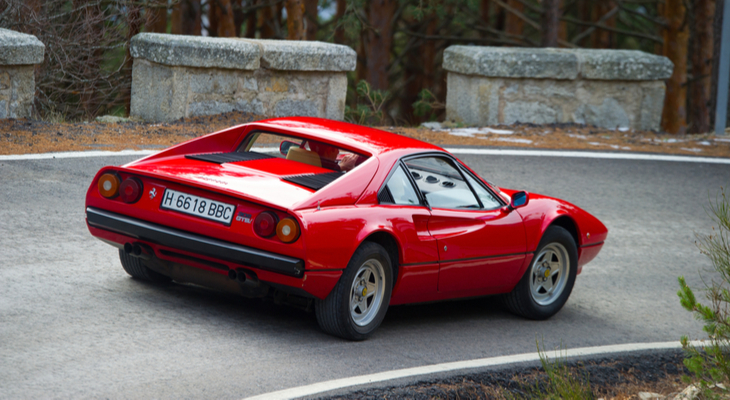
[610, 377]
[27, 136]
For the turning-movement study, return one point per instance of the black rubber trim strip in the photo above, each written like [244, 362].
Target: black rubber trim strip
[313, 181]
[195, 243]
[591, 245]
[234, 156]
[469, 259]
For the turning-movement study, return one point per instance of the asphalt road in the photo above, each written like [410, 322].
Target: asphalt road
[74, 325]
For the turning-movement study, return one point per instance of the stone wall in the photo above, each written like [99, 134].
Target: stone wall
[18, 55]
[606, 88]
[177, 76]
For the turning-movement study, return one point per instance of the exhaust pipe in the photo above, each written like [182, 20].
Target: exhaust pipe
[139, 250]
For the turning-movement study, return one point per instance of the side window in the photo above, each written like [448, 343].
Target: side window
[441, 183]
[488, 200]
[400, 188]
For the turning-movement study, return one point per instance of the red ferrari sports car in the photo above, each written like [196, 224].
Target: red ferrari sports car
[338, 217]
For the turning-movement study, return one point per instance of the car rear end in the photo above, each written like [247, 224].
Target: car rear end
[189, 225]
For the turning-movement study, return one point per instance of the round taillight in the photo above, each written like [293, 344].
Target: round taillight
[265, 224]
[130, 190]
[287, 230]
[109, 185]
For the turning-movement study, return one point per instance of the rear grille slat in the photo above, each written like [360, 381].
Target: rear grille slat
[222, 158]
[313, 181]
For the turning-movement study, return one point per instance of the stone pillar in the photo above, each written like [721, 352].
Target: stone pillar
[177, 76]
[606, 88]
[19, 53]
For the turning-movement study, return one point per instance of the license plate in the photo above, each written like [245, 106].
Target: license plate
[198, 206]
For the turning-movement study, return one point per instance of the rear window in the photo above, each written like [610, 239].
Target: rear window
[312, 152]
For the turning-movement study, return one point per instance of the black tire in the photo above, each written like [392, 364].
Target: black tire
[536, 304]
[136, 269]
[333, 313]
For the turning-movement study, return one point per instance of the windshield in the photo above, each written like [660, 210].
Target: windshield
[312, 152]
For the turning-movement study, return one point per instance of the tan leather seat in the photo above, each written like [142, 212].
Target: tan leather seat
[304, 156]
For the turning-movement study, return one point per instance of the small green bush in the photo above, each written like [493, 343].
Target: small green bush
[711, 364]
[562, 383]
[369, 107]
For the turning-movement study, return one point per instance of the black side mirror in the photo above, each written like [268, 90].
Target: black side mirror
[519, 199]
[285, 146]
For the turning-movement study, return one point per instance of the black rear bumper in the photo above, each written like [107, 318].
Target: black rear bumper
[183, 240]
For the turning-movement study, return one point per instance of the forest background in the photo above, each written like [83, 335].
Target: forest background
[87, 70]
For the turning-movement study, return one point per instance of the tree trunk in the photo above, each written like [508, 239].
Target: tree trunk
[380, 40]
[716, 36]
[701, 66]
[676, 38]
[340, 30]
[267, 27]
[295, 20]
[603, 39]
[310, 14]
[224, 14]
[514, 25]
[251, 22]
[156, 17]
[185, 19]
[238, 16]
[212, 18]
[134, 23]
[550, 22]
[484, 14]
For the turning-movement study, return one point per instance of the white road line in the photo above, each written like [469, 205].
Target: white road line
[589, 154]
[76, 154]
[492, 152]
[321, 387]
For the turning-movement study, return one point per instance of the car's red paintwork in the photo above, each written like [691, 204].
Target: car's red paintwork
[487, 251]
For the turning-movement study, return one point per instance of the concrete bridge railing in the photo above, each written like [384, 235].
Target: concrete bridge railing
[178, 76]
[606, 88]
[19, 54]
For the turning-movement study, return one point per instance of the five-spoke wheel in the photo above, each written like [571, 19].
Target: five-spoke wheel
[547, 283]
[357, 304]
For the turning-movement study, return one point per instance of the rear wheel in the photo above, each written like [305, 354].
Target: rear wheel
[134, 267]
[548, 282]
[358, 303]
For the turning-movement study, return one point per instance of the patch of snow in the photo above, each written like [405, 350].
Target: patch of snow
[515, 140]
[623, 129]
[577, 136]
[694, 149]
[432, 125]
[595, 144]
[705, 143]
[470, 132]
[722, 140]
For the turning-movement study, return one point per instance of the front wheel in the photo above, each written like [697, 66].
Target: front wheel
[547, 283]
[358, 303]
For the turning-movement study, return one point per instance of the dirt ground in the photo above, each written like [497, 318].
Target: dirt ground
[26, 136]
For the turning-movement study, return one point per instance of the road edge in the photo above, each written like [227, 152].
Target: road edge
[355, 381]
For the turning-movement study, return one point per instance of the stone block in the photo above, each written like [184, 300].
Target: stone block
[607, 88]
[18, 55]
[196, 51]
[304, 55]
[19, 48]
[181, 76]
[511, 62]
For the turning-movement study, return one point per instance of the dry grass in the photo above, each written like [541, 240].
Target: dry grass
[22, 136]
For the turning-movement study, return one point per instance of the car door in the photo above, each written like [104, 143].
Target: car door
[481, 246]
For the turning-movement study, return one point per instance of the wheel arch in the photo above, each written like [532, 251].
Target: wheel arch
[569, 225]
[390, 244]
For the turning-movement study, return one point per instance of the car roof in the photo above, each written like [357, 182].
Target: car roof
[356, 137]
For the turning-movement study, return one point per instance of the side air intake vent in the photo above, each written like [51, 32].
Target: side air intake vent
[313, 181]
[221, 158]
